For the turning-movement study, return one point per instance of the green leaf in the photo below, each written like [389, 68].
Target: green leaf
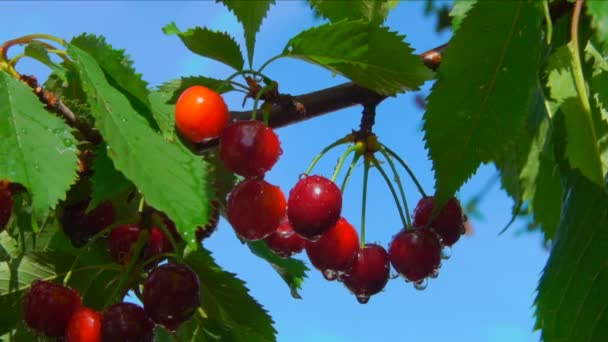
[250, 14]
[292, 271]
[372, 11]
[37, 148]
[176, 87]
[369, 55]
[459, 12]
[213, 44]
[598, 11]
[479, 103]
[119, 71]
[572, 299]
[39, 52]
[163, 113]
[142, 155]
[108, 183]
[225, 299]
[581, 145]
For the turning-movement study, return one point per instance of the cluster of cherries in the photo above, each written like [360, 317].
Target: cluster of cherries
[311, 218]
[171, 295]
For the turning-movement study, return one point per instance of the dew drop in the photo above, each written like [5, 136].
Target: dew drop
[434, 274]
[363, 299]
[446, 252]
[302, 175]
[330, 275]
[421, 284]
[37, 167]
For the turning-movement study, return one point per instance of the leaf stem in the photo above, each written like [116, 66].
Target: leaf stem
[364, 199]
[349, 171]
[577, 68]
[391, 188]
[328, 148]
[388, 158]
[548, 21]
[348, 151]
[406, 167]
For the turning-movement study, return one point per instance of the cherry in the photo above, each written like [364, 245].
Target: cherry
[415, 253]
[314, 206]
[122, 241]
[336, 250]
[84, 326]
[369, 272]
[171, 294]
[249, 148]
[81, 226]
[48, 307]
[6, 207]
[255, 208]
[158, 243]
[284, 241]
[203, 232]
[201, 114]
[126, 322]
[449, 223]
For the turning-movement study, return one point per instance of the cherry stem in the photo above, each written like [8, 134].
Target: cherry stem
[388, 158]
[352, 166]
[256, 101]
[27, 39]
[391, 188]
[169, 235]
[328, 148]
[160, 257]
[364, 199]
[548, 21]
[406, 167]
[268, 62]
[348, 151]
[142, 240]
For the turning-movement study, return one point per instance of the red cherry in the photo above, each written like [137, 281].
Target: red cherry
[336, 250]
[205, 231]
[249, 148]
[255, 208]
[158, 243]
[171, 294]
[6, 207]
[80, 226]
[314, 206]
[48, 307]
[84, 326]
[201, 114]
[415, 253]
[369, 272]
[122, 241]
[449, 223]
[126, 322]
[284, 241]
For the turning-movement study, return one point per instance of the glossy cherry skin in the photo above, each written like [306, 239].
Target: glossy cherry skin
[81, 226]
[122, 242]
[336, 250]
[6, 207]
[284, 241]
[158, 243]
[369, 273]
[48, 307]
[201, 114]
[249, 148]
[415, 253]
[126, 322]
[255, 208]
[203, 232]
[171, 295]
[314, 206]
[84, 326]
[449, 223]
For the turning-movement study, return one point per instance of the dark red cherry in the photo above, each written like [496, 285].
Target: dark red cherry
[126, 322]
[336, 250]
[415, 253]
[249, 148]
[6, 206]
[81, 226]
[205, 231]
[158, 243]
[171, 295]
[255, 208]
[449, 223]
[314, 206]
[369, 272]
[48, 307]
[284, 241]
[122, 242]
[84, 326]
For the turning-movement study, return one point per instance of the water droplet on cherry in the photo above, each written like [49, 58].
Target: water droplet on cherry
[446, 252]
[434, 274]
[302, 175]
[363, 299]
[330, 275]
[421, 284]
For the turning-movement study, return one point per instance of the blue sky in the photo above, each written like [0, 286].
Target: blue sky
[483, 293]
